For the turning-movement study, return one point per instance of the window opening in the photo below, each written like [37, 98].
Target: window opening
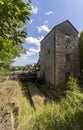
[67, 38]
[48, 51]
[68, 57]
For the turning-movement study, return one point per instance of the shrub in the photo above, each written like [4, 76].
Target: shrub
[72, 84]
[65, 115]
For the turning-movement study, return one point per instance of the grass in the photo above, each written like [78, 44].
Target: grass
[26, 112]
[65, 114]
[11, 92]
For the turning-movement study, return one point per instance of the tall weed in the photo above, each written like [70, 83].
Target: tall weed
[65, 115]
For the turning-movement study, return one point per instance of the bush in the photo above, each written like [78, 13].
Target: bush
[72, 84]
[65, 115]
[3, 74]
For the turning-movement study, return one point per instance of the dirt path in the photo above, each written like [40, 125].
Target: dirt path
[36, 96]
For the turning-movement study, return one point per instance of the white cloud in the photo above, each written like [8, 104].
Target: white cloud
[21, 61]
[25, 59]
[49, 13]
[34, 9]
[33, 50]
[29, 52]
[34, 40]
[31, 21]
[43, 28]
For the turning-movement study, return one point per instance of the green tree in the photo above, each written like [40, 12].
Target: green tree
[81, 51]
[13, 16]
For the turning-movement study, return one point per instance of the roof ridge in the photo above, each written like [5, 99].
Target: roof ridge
[69, 23]
[59, 25]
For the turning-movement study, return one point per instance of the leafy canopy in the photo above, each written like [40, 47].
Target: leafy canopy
[13, 16]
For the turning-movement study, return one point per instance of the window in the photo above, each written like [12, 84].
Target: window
[68, 57]
[48, 51]
[67, 75]
[43, 74]
[67, 38]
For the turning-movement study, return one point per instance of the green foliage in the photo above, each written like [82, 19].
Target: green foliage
[81, 51]
[66, 115]
[13, 68]
[3, 74]
[13, 16]
[72, 84]
[26, 112]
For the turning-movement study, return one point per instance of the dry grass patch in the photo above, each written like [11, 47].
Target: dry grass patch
[11, 92]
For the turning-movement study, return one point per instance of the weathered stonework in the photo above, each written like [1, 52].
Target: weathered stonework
[59, 54]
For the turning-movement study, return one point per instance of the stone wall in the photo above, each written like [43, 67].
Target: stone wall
[47, 58]
[55, 65]
[64, 48]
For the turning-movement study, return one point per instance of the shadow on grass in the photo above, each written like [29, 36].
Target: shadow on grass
[52, 93]
[32, 88]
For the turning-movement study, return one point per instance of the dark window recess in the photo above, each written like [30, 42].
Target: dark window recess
[44, 74]
[67, 57]
[67, 75]
[49, 81]
[65, 66]
[48, 51]
[67, 38]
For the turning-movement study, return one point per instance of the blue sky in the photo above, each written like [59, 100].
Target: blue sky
[45, 15]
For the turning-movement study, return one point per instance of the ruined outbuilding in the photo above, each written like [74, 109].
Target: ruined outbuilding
[59, 54]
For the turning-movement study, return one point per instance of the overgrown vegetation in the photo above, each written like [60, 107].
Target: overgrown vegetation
[65, 115]
[12, 92]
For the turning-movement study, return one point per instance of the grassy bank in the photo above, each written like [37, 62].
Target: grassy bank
[66, 114]
[12, 92]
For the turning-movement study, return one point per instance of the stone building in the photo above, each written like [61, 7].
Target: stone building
[59, 54]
